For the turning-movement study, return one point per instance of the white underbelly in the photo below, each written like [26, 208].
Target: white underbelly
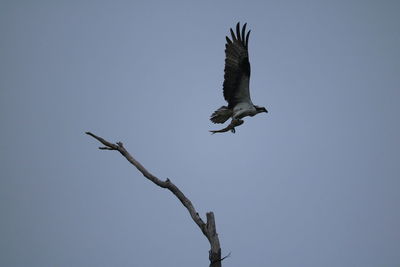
[243, 109]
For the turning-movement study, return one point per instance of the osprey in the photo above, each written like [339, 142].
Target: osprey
[236, 83]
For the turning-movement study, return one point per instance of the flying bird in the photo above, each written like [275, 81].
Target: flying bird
[236, 83]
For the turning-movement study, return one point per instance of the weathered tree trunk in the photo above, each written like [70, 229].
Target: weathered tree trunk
[208, 228]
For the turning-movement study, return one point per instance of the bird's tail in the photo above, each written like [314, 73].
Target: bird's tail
[221, 115]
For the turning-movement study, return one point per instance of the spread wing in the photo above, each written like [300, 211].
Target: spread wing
[237, 67]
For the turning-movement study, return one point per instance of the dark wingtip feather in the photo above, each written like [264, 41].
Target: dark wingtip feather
[244, 33]
[233, 35]
[247, 39]
[228, 40]
[238, 31]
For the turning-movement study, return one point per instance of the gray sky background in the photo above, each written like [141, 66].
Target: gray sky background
[315, 182]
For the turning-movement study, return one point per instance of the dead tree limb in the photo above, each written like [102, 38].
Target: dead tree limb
[208, 228]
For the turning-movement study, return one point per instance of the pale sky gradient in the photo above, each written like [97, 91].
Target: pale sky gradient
[315, 182]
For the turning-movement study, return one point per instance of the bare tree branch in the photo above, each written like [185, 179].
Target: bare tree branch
[208, 228]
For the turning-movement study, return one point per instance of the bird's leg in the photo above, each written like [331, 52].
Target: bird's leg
[236, 122]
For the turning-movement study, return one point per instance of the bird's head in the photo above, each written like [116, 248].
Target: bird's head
[260, 109]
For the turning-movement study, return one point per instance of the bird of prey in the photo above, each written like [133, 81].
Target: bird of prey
[236, 83]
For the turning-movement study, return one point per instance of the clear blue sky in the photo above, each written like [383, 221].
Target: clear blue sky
[315, 182]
